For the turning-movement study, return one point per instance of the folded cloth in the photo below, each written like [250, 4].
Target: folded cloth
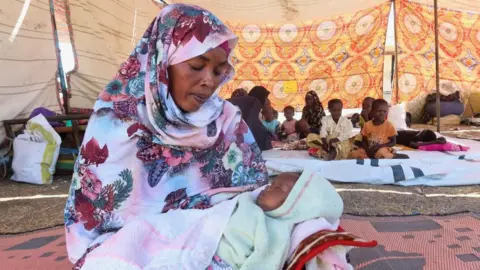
[446, 147]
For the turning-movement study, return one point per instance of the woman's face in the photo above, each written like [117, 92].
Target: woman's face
[309, 101]
[194, 81]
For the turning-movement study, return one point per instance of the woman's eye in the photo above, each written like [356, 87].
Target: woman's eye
[218, 72]
[196, 68]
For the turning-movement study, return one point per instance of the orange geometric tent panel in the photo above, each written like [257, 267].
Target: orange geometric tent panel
[459, 54]
[341, 57]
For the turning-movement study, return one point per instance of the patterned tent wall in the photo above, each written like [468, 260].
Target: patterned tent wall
[280, 12]
[459, 39]
[103, 35]
[27, 60]
[341, 57]
[459, 44]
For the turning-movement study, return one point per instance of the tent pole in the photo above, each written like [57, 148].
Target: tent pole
[437, 60]
[61, 74]
[397, 99]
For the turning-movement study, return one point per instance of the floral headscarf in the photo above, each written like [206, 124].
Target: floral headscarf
[313, 114]
[141, 154]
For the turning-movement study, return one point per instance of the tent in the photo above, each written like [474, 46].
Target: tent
[28, 61]
[291, 46]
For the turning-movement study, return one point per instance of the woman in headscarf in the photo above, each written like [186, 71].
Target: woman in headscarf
[160, 137]
[313, 111]
[251, 106]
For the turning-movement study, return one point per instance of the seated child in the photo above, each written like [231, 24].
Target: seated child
[333, 142]
[275, 114]
[302, 128]
[378, 135]
[358, 120]
[415, 139]
[258, 233]
[288, 126]
[269, 121]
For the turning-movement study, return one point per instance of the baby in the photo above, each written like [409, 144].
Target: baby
[258, 232]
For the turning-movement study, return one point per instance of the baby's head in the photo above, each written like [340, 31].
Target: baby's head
[273, 196]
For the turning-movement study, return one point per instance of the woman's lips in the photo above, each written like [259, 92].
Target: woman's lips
[200, 98]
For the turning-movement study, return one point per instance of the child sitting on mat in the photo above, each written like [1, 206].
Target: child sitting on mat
[378, 135]
[333, 142]
[302, 128]
[270, 123]
[288, 126]
[258, 233]
[359, 120]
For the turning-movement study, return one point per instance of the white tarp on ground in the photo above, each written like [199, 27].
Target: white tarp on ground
[423, 168]
[104, 34]
[28, 61]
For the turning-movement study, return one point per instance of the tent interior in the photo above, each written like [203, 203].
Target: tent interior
[59, 54]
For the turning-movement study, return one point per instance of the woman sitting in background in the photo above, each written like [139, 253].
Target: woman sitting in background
[251, 106]
[313, 111]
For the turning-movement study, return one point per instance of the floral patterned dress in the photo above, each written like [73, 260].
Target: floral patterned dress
[141, 154]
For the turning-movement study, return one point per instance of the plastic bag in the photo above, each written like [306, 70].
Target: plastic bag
[35, 152]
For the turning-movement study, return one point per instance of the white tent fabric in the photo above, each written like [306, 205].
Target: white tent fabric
[104, 34]
[28, 61]
[268, 11]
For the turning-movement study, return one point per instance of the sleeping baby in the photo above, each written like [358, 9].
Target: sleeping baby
[258, 232]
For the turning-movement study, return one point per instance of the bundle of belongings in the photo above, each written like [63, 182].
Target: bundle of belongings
[472, 110]
[451, 108]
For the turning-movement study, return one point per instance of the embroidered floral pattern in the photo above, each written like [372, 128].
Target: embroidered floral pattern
[129, 69]
[232, 157]
[91, 203]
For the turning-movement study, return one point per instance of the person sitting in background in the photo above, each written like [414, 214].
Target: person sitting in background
[359, 120]
[270, 123]
[240, 92]
[275, 114]
[415, 139]
[302, 128]
[288, 126]
[251, 107]
[378, 134]
[333, 142]
[313, 111]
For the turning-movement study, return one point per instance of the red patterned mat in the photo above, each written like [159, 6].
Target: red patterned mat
[405, 243]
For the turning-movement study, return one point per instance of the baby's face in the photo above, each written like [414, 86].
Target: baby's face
[273, 196]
